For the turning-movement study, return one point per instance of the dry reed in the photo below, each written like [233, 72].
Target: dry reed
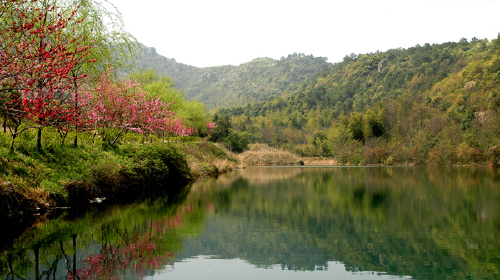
[262, 154]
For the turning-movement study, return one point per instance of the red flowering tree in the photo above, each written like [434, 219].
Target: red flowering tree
[38, 53]
[124, 106]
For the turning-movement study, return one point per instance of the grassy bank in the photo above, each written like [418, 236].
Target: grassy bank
[33, 181]
[262, 154]
[206, 159]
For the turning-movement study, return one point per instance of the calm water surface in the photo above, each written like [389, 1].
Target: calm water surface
[282, 223]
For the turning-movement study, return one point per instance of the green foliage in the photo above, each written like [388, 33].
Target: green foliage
[495, 156]
[161, 163]
[494, 67]
[345, 148]
[57, 167]
[222, 127]
[356, 126]
[237, 141]
[193, 113]
[104, 29]
[223, 132]
[415, 105]
[225, 86]
[150, 76]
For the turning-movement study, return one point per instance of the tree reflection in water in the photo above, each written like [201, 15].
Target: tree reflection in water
[428, 223]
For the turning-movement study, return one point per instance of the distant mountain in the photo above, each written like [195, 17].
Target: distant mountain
[429, 104]
[440, 73]
[226, 86]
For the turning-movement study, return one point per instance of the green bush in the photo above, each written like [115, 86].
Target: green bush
[237, 141]
[159, 163]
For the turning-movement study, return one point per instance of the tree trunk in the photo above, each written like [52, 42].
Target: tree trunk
[14, 135]
[15, 132]
[118, 136]
[76, 109]
[76, 140]
[11, 266]
[63, 139]
[39, 140]
[74, 254]
[93, 138]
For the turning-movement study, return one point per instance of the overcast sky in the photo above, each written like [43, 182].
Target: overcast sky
[219, 32]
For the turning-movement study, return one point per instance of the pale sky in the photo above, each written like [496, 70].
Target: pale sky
[219, 32]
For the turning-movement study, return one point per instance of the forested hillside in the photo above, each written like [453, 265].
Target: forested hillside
[429, 104]
[225, 86]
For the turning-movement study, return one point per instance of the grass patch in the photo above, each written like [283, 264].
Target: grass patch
[206, 158]
[262, 154]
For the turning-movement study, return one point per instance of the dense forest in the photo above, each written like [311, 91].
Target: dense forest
[428, 104]
[225, 86]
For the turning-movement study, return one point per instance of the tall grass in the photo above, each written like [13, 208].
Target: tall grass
[262, 154]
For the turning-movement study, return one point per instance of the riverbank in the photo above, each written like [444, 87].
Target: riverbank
[264, 155]
[33, 182]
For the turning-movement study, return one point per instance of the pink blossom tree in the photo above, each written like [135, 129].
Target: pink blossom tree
[125, 106]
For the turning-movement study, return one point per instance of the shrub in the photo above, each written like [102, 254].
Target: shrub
[375, 155]
[237, 142]
[495, 156]
[158, 163]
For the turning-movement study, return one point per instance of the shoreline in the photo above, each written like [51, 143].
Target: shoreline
[185, 163]
[140, 172]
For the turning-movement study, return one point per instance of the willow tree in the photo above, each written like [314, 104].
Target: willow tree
[104, 29]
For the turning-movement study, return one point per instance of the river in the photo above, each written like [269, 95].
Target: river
[281, 223]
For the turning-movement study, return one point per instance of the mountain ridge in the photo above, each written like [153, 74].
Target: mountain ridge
[228, 85]
[429, 104]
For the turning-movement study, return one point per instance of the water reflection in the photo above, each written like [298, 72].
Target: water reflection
[124, 242]
[430, 223]
[358, 222]
[242, 270]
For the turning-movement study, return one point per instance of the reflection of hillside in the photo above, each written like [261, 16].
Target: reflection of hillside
[262, 176]
[260, 243]
[431, 223]
[253, 175]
